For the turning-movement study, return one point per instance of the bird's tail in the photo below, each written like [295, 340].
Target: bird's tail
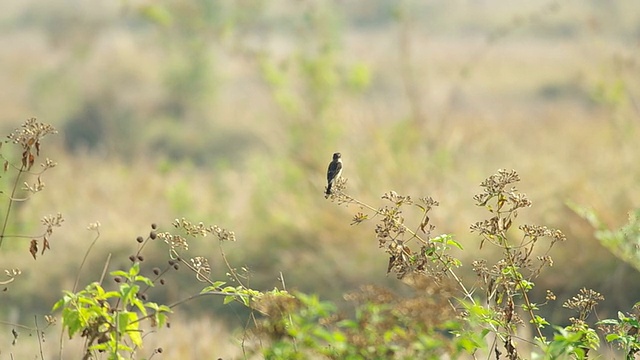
[328, 189]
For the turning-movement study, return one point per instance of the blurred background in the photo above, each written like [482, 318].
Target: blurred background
[227, 112]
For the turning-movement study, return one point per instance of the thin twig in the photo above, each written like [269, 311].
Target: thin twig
[182, 301]
[84, 259]
[104, 269]
[16, 325]
[35, 320]
[11, 201]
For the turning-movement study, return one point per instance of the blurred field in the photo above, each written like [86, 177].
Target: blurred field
[228, 113]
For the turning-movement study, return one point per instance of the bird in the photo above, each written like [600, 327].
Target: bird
[334, 171]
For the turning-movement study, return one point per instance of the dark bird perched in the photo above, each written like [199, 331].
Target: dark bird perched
[334, 171]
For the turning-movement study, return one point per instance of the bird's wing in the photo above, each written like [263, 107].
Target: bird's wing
[334, 169]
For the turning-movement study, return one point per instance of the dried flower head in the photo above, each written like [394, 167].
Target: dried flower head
[28, 136]
[398, 200]
[550, 295]
[584, 302]
[201, 265]
[174, 241]
[358, 218]
[51, 221]
[94, 226]
[11, 276]
[201, 229]
[535, 231]
[30, 132]
[337, 191]
[50, 319]
[505, 201]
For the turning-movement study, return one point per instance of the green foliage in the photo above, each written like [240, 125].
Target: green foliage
[623, 242]
[384, 326]
[623, 331]
[570, 343]
[110, 320]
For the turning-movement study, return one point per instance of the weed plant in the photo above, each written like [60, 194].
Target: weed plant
[443, 316]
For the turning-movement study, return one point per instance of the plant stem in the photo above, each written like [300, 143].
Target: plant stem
[6, 216]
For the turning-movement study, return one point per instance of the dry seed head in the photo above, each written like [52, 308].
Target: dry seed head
[174, 241]
[30, 133]
[585, 301]
[51, 221]
[202, 267]
[550, 295]
[94, 226]
[358, 218]
[495, 184]
[337, 191]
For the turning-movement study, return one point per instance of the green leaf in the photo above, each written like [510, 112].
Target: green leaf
[208, 289]
[446, 239]
[111, 294]
[450, 241]
[152, 306]
[133, 329]
[71, 320]
[229, 289]
[138, 303]
[633, 322]
[539, 321]
[214, 287]
[128, 293]
[158, 308]
[60, 303]
[218, 284]
[608, 322]
[161, 319]
[119, 273]
[612, 337]
[87, 301]
[122, 321]
[145, 280]
[100, 347]
[96, 289]
[134, 270]
[525, 285]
